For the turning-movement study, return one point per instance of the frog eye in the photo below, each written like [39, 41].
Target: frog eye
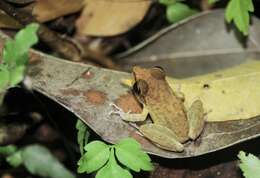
[158, 68]
[158, 72]
[140, 88]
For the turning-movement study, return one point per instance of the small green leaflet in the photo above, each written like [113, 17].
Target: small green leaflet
[4, 76]
[16, 51]
[178, 11]
[250, 165]
[83, 135]
[130, 154]
[112, 169]
[101, 157]
[238, 11]
[7, 150]
[16, 75]
[15, 56]
[168, 2]
[97, 154]
[15, 159]
[212, 1]
[39, 161]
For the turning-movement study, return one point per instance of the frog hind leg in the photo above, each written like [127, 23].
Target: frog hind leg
[196, 120]
[162, 136]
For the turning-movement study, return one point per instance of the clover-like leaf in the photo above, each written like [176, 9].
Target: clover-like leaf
[250, 165]
[112, 169]
[97, 154]
[130, 154]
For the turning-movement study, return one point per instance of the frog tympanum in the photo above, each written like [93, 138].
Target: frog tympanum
[171, 124]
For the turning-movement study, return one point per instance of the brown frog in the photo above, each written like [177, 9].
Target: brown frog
[172, 124]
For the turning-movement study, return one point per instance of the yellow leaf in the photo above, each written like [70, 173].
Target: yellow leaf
[230, 94]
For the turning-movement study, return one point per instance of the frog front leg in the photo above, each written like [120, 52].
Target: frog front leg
[127, 116]
[196, 120]
[162, 136]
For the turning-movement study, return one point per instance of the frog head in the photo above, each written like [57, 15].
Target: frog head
[144, 79]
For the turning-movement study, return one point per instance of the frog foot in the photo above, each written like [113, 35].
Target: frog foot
[129, 116]
[118, 111]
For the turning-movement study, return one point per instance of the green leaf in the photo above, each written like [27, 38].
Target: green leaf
[112, 169]
[9, 54]
[179, 11]
[238, 11]
[16, 75]
[39, 161]
[168, 2]
[15, 159]
[16, 51]
[7, 150]
[83, 135]
[96, 156]
[26, 38]
[4, 77]
[130, 154]
[15, 56]
[250, 165]
[212, 1]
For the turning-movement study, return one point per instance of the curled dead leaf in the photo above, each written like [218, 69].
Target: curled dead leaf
[44, 10]
[111, 17]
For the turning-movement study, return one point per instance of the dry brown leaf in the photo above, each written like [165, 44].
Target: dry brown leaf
[8, 22]
[46, 10]
[111, 17]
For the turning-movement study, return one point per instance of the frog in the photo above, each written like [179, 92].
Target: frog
[172, 125]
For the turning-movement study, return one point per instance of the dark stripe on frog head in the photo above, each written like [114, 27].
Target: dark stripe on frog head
[140, 89]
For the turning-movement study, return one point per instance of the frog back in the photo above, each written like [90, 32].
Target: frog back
[166, 109]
